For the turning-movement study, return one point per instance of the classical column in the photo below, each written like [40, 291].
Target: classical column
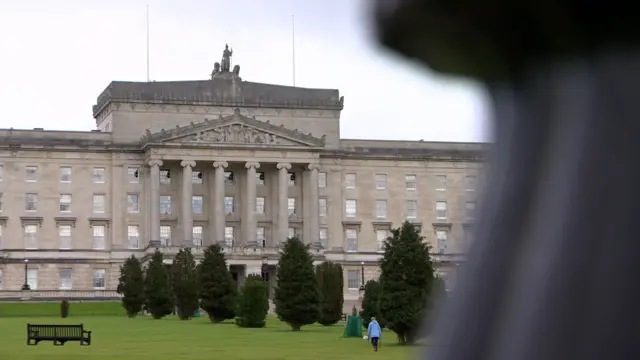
[313, 217]
[249, 206]
[187, 207]
[155, 199]
[219, 217]
[283, 203]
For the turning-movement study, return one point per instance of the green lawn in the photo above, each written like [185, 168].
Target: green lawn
[117, 337]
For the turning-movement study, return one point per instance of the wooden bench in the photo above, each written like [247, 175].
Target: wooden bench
[59, 334]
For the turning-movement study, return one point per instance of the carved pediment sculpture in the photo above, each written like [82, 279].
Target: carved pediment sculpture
[237, 134]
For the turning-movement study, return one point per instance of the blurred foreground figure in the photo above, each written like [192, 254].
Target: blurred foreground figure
[552, 274]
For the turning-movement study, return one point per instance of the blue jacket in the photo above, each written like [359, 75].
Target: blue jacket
[374, 329]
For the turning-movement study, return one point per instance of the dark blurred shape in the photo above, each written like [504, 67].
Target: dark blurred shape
[552, 272]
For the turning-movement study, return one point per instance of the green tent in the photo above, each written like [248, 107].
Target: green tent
[353, 328]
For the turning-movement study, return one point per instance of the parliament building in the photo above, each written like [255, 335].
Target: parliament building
[177, 164]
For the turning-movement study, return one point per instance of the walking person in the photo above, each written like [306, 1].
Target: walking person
[375, 332]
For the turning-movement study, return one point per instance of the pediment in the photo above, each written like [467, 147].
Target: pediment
[235, 129]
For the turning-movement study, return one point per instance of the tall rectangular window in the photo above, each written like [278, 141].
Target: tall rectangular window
[98, 237]
[350, 180]
[31, 202]
[381, 209]
[351, 207]
[99, 205]
[471, 183]
[381, 181]
[165, 205]
[65, 174]
[99, 279]
[441, 236]
[30, 236]
[322, 179]
[259, 178]
[412, 209]
[292, 179]
[441, 182]
[165, 235]
[259, 205]
[133, 175]
[352, 239]
[165, 177]
[65, 203]
[381, 236]
[441, 210]
[98, 175]
[324, 237]
[196, 177]
[133, 233]
[197, 236]
[228, 236]
[228, 205]
[31, 173]
[32, 278]
[261, 238]
[64, 236]
[291, 206]
[65, 279]
[133, 203]
[410, 182]
[322, 207]
[197, 205]
[353, 279]
[228, 177]
[291, 233]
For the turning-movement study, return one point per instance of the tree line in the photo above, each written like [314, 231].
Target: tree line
[303, 294]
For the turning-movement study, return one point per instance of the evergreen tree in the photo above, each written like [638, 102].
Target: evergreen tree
[131, 286]
[331, 283]
[184, 280]
[406, 282]
[297, 296]
[370, 303]
[157, 288]
[253, 304]
[218, 290]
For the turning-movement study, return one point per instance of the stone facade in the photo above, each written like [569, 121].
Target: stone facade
[192, 163]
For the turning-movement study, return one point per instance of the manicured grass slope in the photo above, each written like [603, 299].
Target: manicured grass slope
[117, 337]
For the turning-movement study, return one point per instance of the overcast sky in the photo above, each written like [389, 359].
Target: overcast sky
[57, 56]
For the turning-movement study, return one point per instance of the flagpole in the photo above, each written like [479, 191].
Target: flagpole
[148, 77]
[293, 47]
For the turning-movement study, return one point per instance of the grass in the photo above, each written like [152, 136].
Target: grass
[117, 337]
[42, 309]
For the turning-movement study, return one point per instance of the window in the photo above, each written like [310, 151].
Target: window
[352, 239]
[471, 183]
[196, 235]
[98, 175]
[165, 205]
[322, 179]
[65, 174]
[381, 236]
[351, 207]
[197, 204]
[381, 181]
[98, 236]
[471, 210]
[260, 178]
[441, 209]
[353, 279]
[324, 237]
[133, 175]
[381, 209]
[1, 176]
[165, 235]
[260, 237]
[133, 203]
[291, 206]
[99, 203]
[133, 234]
[441, 182]
[1, 279]
[31, 236]
[196, 177]
[441, 236]
[322, 207]
[65, 203]
[228, 177]
[99, 279]
[31, 173]
[291, 233]
[31, 202]
[259, 205]
[410, 182]
[165, 177]
[350, 181]
[412, 209]
[228, 205]
[32, 278]
[228, 236]
[64, 235]
[65, 279]
[292, 179]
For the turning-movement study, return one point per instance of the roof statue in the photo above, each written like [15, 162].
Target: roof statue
[223, 68]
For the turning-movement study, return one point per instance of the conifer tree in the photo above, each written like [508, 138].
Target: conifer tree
[406, 282]
[218, 290]
[184, 280]
[370, 303]
[157, 289]
[331, 283]
[131, 286]
[297, 295]
[253, 304]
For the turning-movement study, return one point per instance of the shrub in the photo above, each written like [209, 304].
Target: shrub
[159, 300]
[370, 303]
[218, 290]
[297, 296]
[253, 304]
[131, 286]
[64, 309]
[185, 284]
[330, 282]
